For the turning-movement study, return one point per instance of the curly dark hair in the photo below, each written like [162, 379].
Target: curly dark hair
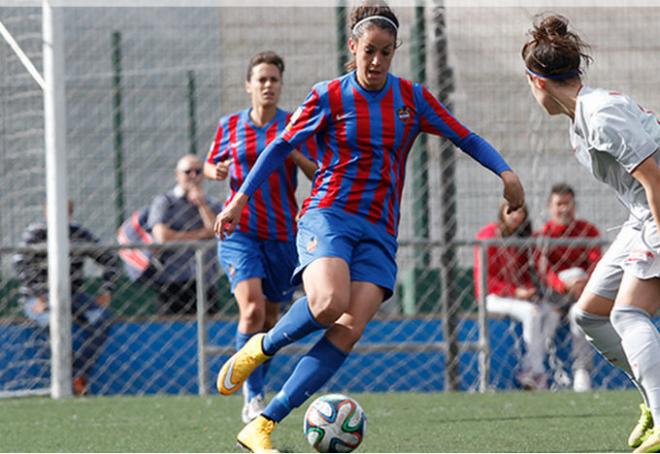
[553, 50]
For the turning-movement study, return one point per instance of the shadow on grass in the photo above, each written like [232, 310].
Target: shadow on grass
[517, 418]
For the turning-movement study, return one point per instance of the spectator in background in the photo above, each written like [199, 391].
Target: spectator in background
[566, 270]
[91, 313]
[513, 292]
[183, 213]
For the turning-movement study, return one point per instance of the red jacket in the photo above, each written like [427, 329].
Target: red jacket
[508, 266]
[558, 258]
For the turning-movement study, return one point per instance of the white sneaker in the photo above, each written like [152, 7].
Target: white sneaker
[253, 408]
[581, 381]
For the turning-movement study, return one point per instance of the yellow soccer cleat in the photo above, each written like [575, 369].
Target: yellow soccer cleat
[239, 367]
[255, 437]
[651, 441]
[644, 424]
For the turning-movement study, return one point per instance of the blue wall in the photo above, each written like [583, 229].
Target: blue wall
[161, 357]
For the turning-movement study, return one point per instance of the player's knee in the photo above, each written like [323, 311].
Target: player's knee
[328, 306]
[579, 318]
[253, 315]
[621, 317]
[345, 336]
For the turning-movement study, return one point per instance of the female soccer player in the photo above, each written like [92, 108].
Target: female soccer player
[365, 123]
[260, 256]
[511, 291]
[617, 141]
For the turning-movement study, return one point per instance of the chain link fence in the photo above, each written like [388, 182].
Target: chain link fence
[147, 85]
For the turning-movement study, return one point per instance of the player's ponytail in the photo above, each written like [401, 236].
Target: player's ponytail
[554, 52]
[368, 14]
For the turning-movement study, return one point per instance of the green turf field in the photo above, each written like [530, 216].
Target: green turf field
[442, 422]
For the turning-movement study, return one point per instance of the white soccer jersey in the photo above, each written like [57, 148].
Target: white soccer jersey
[611, 135]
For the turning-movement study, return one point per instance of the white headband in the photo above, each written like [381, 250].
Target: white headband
[370, 18]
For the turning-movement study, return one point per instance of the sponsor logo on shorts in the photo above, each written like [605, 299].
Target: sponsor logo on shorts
[232, 271]
[311, 244]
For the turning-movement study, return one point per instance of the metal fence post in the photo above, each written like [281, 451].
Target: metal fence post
[448, 260]
[484, 345]
[117, 125]
[202, 365]
[192, 111]
[342, 57]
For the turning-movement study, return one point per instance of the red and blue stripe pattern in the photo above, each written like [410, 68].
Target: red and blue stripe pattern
[363, 140]
[270, 213]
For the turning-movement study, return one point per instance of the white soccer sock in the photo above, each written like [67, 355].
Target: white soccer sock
[641, 342]
[599, 331]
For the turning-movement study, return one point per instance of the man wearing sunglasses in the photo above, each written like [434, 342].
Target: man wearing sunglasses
[183, 213]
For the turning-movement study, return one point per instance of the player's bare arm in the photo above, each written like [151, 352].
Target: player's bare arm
[307, 166]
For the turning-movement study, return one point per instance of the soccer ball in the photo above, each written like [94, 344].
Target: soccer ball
[335, 423]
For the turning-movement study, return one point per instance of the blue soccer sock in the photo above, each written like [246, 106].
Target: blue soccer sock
[312, 371]
[265, 367]
[294, 325]
[255, 382]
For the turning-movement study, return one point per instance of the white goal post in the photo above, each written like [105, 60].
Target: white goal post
[59, 294]
[52, 84]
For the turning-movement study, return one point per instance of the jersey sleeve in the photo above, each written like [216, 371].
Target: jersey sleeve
[219, 150]
[617, 130]
[309, 148]
[307, 120]
[435, 118]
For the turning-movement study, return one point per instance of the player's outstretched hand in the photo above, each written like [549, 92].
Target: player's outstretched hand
[226, 221]
[513, 191]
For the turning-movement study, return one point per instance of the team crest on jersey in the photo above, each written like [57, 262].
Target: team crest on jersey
[311, 244]
[294, 118]
[403, 114]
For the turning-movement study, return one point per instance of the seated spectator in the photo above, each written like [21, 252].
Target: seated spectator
[566, 269]
[183, 213]
[91, 313]
[512, 291]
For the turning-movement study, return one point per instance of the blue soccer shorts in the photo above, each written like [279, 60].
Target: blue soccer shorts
[369, 249]
[245, 257]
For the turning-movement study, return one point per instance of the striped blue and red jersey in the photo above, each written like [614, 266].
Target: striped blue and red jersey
[363, 140]
[270, 213]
